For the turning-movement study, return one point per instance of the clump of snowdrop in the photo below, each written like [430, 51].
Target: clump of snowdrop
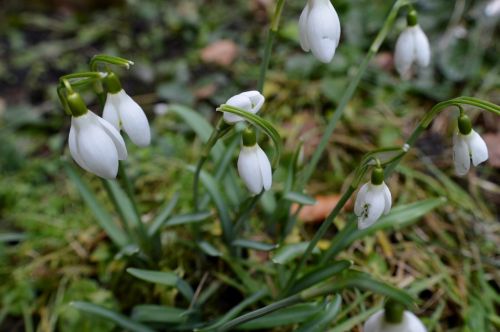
[250, 101]
[254, 167]
[467, 145]
[373, 200]
[319, 29]
[393, 319]
[123, 112]
[412, 47]
[94, 144]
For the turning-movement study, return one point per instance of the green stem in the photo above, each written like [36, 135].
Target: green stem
[271, 36]
[319, 234]
[220, 130]
[286, 302]
[348, 94]
[244, 211]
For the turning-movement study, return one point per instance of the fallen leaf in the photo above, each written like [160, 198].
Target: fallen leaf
[493, 143]
[319, 211]
[222, 52]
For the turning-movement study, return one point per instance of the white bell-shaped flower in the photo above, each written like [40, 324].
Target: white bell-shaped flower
[412, 47]
[250, 101]
[409, 323]
[319, 29]
[253, 165]
[96, 145]
[124, 113]
[467, 147]
[373, 200]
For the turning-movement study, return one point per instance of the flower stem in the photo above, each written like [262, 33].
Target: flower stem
[271, 36]
[220, 130]
[349, 92]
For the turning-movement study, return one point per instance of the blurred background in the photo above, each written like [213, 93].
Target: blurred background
[199, 53]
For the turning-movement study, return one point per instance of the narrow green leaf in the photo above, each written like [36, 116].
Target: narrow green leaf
[292, 315]
[116, 234]
[113, 316]
[361, 280]
[209, 249]
[164, 278]
[260, 123]
[124, 206]
[319, 274]
[299, 198]
[216, 195]
[235, 311]
[348, 325]
[162, 217]
[158, 314]
[319, 322]
[289, 252]
[249, 244]
[200, 126]
[188, 218]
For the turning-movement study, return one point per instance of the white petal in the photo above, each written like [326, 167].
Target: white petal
[422, 47]
[239, 101]
[256, 98]
[387, 198]
[413, 323]
[97, 150]
[374, 323]
[374, 204]
[73, 148]
[304, 43]
[360, 200]
[110, 112]
[133, 120]
[249, 170]
[114, 134]
[323, 30]
[405, 51]
[461, 155]
[477, 148]
[265, 168]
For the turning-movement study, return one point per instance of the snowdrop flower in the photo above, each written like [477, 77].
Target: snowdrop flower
[253, 165]
[250, 101]
[373, 200]
[412, 46]
[493, 8]
[467, 145]
[94, 144]
[408, 323]
[123, 112]
[319, 29]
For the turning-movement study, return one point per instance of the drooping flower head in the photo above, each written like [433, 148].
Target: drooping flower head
[124, 113]
[373, 200]
[393, 319]
[94, 144]
[412, 47]
[254, 167]
[319, 29]
[250, 101]
[467, 145]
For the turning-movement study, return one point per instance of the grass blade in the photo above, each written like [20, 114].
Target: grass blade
[113, 316]
[164, 278]
[116, 234]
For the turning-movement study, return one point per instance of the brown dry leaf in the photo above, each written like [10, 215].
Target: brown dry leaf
[222, 52]
[205, 91]
[493, 143]
[318, 212]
